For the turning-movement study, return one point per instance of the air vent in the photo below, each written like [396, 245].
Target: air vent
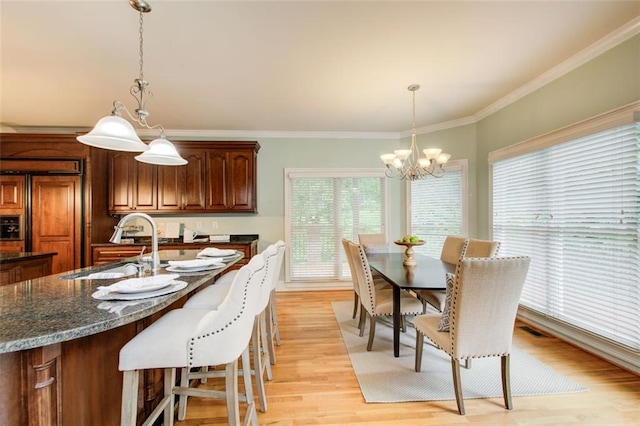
[532, 331]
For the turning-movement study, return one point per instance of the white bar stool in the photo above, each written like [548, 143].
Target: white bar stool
[191, 338]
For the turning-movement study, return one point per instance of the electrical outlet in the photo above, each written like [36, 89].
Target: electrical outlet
[214, 224]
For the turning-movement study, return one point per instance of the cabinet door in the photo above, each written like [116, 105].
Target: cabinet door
[241, 190]
[56, 221]
[231, 180]
[12, 192]
[183, 187]
[132, 184]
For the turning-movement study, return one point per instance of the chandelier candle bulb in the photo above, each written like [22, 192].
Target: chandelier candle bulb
[406, 164]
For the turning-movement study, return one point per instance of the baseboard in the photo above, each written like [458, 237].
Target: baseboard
[616, 354]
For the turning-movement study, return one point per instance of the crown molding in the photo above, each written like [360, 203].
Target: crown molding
[257, 134]
[607, 42]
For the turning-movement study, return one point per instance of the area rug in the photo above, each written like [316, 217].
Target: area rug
[385, 379]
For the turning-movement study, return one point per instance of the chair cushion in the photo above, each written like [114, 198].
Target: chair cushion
[443, 325]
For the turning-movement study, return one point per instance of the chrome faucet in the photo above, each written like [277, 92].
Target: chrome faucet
[117, 236]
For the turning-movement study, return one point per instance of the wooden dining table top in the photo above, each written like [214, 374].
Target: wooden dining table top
[428, 274]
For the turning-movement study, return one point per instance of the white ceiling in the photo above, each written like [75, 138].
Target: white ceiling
[292, 66]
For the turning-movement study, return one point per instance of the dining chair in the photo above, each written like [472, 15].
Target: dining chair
[452, 250]
[193, 338]
[373, 243]
[377, 303]
[484, 297]
[273, 332]
[481, 248]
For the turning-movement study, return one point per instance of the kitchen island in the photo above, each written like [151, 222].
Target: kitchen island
[59, 346]
[21, 266]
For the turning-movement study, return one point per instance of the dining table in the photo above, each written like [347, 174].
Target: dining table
[429, 273]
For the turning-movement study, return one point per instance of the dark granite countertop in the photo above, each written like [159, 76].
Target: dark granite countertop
[19, 257]
[53, 309]
[233, 239]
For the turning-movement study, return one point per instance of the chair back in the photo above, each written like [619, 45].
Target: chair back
[365, 279]
[484, 303]
[222, 335]
[270, 256]
[453, 249]
[481, 248]
[352, 268]
[374, 243]
[281, 246]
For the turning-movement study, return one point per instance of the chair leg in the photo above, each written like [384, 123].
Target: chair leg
[372, 331]
[467, 363]
[274, 318]
[419, 345]
[246, 374]
[169, 382]
[270, 328]
[182, 399]
[506, 381]
[129, 408]
[356, 303]
[264, 346]
[257, 365]
[403, 323]
[231, 388]
[363, 320]
[457, 386]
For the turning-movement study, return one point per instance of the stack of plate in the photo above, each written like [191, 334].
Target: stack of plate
[140, 288]
[195, 265]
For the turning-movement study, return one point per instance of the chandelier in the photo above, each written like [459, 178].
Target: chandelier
[406, 164]
[115, 133]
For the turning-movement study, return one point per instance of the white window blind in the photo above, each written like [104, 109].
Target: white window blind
[574, 208]
[438, 208]
[322, 208]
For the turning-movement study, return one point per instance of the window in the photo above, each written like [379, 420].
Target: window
[573, 207]
[324, 206]
[439, 207]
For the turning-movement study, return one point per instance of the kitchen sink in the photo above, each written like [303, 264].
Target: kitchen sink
[120, 271]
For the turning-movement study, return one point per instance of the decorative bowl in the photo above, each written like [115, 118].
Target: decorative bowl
[408, 252]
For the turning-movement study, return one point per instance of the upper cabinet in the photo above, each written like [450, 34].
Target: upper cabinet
[220, 177]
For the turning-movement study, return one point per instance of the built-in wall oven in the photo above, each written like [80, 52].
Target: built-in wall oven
[11, 227]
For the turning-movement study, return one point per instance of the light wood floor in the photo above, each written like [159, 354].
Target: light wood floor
[314, 383]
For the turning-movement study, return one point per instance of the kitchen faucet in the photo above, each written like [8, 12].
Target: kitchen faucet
[117, 236]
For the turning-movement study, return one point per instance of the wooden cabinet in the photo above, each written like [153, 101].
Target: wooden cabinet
[26, 269]
[232, 177]
[12, 193]
[131, 184]
[183, 188]
[220, 177]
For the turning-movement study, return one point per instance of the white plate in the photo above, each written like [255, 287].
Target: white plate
[172, 287]
[194, 263]
[140, 285]
[216, 252]
[181, 269]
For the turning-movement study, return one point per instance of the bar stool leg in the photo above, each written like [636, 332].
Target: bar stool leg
[257, 365]
[231, 388]
[129, 408]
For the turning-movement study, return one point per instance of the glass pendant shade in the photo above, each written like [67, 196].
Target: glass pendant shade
[161, 152]
[116, 133]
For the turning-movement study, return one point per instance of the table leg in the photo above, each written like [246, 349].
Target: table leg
[396, 321]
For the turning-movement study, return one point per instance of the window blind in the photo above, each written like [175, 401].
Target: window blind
[574, 208]
[438, 208]
[323, 208]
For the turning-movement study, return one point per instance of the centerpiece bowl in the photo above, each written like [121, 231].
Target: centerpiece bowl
[408, 252]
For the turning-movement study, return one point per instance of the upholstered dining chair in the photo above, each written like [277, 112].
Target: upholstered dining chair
[372, 243]
[453, 249]
[379, 303]
[192, 338]
[481, 248]
[484, 297]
